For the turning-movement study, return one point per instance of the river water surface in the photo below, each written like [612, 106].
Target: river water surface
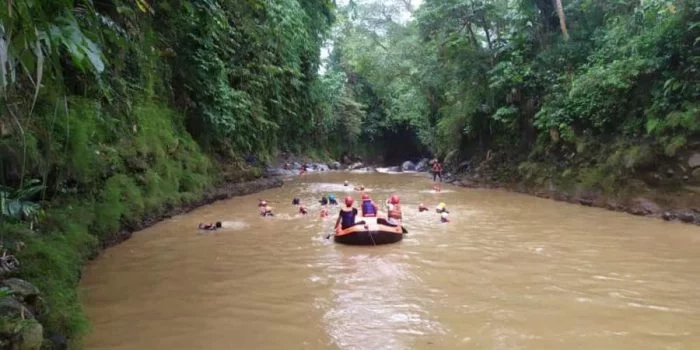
[509, 272]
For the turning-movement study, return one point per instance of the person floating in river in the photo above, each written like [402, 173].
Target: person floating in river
[422, 208]
[323, 201]
[265, 209]
[369, 209]
[324, 211]
[441, 208]
[303, 210]
[210, 226]
[332, 200]
[443, 217]
[346, 217]
[295, 201]
[394, 214]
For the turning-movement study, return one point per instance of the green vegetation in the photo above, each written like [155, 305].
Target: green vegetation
[594, 91]
[113, 109]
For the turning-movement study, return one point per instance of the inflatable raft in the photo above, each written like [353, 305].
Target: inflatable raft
[373, 232]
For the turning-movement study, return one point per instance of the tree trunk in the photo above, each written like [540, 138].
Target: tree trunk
[562, 18]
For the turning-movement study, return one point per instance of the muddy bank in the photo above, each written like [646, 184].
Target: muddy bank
[669, 207]
[222, 192]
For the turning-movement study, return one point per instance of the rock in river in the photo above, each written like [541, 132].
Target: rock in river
[408, 166]
[643, 206]
[423, 165]
[694, 160]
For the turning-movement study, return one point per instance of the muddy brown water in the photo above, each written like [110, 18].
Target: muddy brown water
[508, 272]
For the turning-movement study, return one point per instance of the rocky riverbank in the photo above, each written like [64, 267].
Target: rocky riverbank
[681, 203]
[221, 192]
[27, 319]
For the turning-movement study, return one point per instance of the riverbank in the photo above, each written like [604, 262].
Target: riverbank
[39, 302]
[678, 205]
[222, 192]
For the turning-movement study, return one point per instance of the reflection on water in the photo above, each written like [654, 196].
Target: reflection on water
[509, 272]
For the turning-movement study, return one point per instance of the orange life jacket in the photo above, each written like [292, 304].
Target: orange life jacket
[395, 212]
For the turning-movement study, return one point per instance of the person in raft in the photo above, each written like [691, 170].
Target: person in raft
[332, 200]
[441, 208]
[369, 209]
[346, 217]
[265, 209]
[323, 201]
[324, 212]
[422, 208]
[210, 227]
[443, 217]
[394, 214]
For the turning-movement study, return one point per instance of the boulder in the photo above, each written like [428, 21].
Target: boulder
[334, 165]
[686, 215]
[296, 166]
[21, 289]
[10, 307]
[423, 165]
[320, 167]
[355, 166]
[643, 206]
[25, 292]
[31, 336]
[408, 166]
[694, 160]
[695, 175]
[668, 216]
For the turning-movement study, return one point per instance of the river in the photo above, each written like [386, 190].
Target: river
[509, 271]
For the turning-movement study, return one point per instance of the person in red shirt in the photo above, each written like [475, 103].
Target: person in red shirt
[437, 170]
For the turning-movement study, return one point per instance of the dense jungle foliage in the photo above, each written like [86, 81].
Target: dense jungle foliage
[112, 109]
[592, 91]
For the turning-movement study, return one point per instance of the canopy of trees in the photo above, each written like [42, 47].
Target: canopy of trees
[532, 80]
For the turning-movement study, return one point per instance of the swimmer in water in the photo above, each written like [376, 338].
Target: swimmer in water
[324, 211]
[323, 201]
[303, 210]
[441, 208]
[210, 227]
[444, 218]
[295, 201]
[265, 209]
[422, 208]
[332, 200]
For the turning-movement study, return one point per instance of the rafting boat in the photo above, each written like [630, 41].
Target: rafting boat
[373, 232]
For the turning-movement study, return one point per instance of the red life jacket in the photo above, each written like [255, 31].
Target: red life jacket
[395, 212]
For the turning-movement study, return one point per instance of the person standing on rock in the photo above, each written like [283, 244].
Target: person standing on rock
[437, 170]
